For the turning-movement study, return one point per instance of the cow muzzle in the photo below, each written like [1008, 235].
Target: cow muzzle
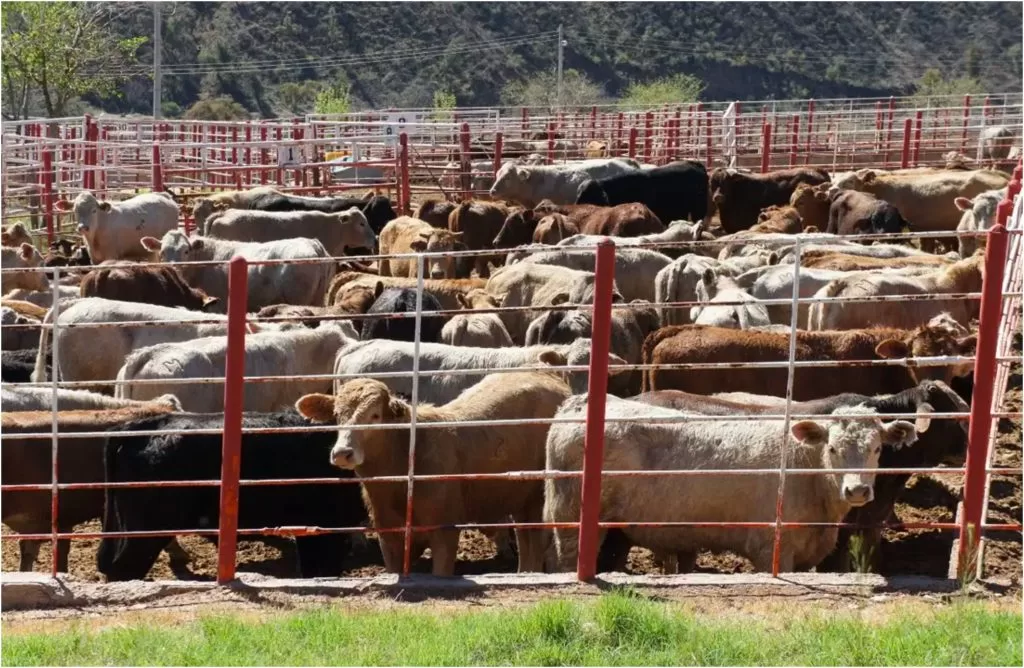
[717, 198]
[345, 458]
[858, 495]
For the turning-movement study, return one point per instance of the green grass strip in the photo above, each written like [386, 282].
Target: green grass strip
[616, 629]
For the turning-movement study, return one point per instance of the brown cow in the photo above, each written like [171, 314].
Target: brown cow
[812, 203]
[778, 220]
[25, 256]
[479, 222]
[740, 197]
[552, 228]
[15, 235]
[354, 301]
[701, 344]
[161, 285]
[521, 223]
[446, 290]
[835, 261]
[855, 212]
[452, 450]
[435, 212]
[230, 199]
[405, 235]
[25, 462]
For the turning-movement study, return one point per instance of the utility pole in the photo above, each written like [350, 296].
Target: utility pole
[157, 48]
[561, 43]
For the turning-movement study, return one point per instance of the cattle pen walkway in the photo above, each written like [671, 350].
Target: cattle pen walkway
[970, 542]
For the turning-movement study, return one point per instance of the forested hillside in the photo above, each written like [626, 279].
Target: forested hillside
[272, 57]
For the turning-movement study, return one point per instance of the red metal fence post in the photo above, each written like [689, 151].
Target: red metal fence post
[263, 155]
[526, 122]
[707, 138]
[905, 153]
[632, 142]
[405, 197]
[919, 118]
[967, 120]
[231, 448]
[47, 203]
[984, 381]
[648, 137]
[766, 147]
[158, 173]
[597, 389]
[795, 139]
[810, 126]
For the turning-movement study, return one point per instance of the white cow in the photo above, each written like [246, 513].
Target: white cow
[715, 288]
[633, 442]
[979, 216]
[19, 398]
[366, 358]
[274, 283]
[300, 352]
[336, 231]
[635, 268]
[96, 353]
[112, 230]
[558, 183]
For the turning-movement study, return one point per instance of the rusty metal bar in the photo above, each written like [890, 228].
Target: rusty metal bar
[597, 388]
[231, 453]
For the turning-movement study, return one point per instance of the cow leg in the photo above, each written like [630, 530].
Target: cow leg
[28, 551]
[567, 548]
[392, 548]
[533, 545]
[444, 546]
[614, 553]
[177, 555]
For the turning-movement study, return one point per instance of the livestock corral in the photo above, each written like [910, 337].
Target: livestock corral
[768, 337]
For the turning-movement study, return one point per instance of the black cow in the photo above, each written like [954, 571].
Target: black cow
[402, 300]
[198, 457]
[944, 441]
[16, 366]
[677, 191]
[377, 209]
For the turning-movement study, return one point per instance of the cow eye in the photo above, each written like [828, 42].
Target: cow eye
[375, 416]
[832, 449]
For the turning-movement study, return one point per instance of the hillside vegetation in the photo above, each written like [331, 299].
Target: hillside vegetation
[273, 58]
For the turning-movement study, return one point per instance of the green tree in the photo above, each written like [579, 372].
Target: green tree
[334, 99]
[541, 90]
[444, 103]
[55, 52]
[933, 83]
[221, 108]
[679, 88]
[295, 97]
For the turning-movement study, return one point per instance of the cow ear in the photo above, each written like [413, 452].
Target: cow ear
[868, 175]
[150, 243]
[924, 420]
[811, 229]
[708, 277]
[104, 206]
[27, 251]
[462, 300]
[552, 358]
[891, 349]
[773, 258]
[197, 244]
[209, 301]
[967, 345]
[457, 235]
[560, 298]
[821, 195]
[523, 174]
[698, 230]
[810, 432]
[898, 433]
[62, 205]
[418, 245]
[316, 407]
[377, 289]
[963, 203]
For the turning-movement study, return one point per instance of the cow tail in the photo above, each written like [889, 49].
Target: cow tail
[819, 310]
[39, 373]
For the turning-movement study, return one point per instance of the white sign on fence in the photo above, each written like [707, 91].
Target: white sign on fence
[397, 124]
[290, 156]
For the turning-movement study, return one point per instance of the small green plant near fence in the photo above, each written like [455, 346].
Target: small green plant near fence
[444, 105]
[862, 555]
[617, 629]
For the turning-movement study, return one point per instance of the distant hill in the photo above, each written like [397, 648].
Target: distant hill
[399, 54]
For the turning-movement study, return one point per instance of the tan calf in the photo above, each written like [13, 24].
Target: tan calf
[410, 235]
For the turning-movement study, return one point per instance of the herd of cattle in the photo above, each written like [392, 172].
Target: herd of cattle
[705, 270]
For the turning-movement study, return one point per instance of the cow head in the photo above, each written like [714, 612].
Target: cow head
[358, 402]
[174, 247]
[511, 182]
[517, 229]
[855, 443]
[442, 242]
[577, 353]
[355, 229]
[15, 235]
[89, 211]
[936, 339]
